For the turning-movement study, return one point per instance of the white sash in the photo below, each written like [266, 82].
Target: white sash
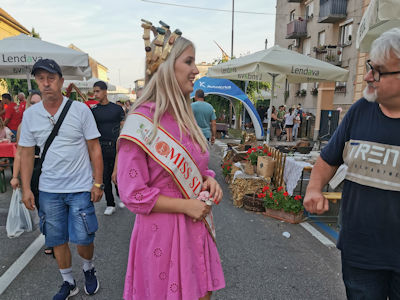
[170, 154]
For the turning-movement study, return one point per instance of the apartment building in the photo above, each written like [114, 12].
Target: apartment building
[325, 30]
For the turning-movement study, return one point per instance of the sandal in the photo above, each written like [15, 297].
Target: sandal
[49, 251]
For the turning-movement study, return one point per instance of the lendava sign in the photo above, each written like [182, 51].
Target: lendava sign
[305, 71]
[12, 59]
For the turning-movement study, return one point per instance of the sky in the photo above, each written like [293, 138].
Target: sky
[111, 33]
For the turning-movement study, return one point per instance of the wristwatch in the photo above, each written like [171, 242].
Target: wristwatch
[99, 185]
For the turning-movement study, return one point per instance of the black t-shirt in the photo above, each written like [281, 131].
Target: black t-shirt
[368, 142]
[108, 118]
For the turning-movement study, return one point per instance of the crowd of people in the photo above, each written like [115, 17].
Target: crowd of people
[157, 156]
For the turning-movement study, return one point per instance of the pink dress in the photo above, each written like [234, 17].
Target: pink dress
[170, 256]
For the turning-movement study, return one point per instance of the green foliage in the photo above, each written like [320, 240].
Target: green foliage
[221, 107]
[16, 86]
[35, 34]
[280, 199]
[254, 153]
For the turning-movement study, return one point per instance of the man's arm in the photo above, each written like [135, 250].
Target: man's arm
[314, 201]
[27, 159]
[213, 131]
[97, 162]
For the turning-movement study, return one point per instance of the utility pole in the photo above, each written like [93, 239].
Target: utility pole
[266, 43]
[233, 18]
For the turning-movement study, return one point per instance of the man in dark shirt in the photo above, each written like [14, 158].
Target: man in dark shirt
[109, 117]
[368, 143]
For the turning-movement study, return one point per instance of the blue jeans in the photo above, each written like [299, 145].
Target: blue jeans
[67, 217]
[362, 284]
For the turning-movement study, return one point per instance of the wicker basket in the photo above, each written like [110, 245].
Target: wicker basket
[252, 203]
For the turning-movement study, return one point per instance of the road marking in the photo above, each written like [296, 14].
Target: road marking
[22, 261]
[318, 235]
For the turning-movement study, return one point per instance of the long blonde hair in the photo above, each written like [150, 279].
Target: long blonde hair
[163, 89]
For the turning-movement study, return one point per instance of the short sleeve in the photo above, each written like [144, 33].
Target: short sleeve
[213, 116]
[121, 114]
[26, 138]
[90, 130]
[133, 179]
[333, 152]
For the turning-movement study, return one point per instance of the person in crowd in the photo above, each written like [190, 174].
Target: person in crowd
[91, 102]
[171, 229]
[13, 116]
[66, 188]
[5, 132]
[21, 102]
[289, 122]
[205, 116]
[296, 125]
[127, 105]
[364, 141]
[274, 122]
[109, 118]
[280, 121]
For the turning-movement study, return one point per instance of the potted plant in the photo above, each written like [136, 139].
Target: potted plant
[226, 170]
[252, 158]
[314, 91]
[298, 93]
[280, 205]
[320, 49]
[303, 93]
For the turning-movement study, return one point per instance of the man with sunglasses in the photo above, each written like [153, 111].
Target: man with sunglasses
[66, 188]
[368, 142]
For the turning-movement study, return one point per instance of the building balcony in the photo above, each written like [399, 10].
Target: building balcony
[296, 29]
[329, 54]
[332, 11]
[294, 1]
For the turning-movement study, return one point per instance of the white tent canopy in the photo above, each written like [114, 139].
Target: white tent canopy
[277, 64]
[380, 16]
[19, 53]
[86, 85]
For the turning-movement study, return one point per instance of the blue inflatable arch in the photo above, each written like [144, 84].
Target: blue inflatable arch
[227, 89]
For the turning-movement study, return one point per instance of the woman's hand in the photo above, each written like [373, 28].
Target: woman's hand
[196, 209]
[14, 183]
[211, 185]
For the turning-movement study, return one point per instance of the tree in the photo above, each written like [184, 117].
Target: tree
[35, 34]
[16, 86]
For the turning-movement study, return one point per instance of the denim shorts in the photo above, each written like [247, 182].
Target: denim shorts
[67, 217]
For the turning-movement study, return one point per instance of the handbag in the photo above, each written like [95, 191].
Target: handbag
[37, 170]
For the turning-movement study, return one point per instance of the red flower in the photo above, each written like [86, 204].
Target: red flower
[297, 197]
[285, 194]
[259, 147]
[265, 150]
[271, 194]
[269, 154]
[229, 167]
[260, 195]
[246, 157]
[253, 149]
[265, 188]
[249, 151]
[280, 188]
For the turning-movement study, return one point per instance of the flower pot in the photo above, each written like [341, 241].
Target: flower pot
[288, 217]
[249, 168]
[252, 203]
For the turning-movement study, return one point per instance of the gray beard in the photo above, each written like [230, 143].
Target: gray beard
[370, 97]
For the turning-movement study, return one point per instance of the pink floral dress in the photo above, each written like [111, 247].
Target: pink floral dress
[170, 256]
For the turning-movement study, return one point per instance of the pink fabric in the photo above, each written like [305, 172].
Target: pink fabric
[170, 256]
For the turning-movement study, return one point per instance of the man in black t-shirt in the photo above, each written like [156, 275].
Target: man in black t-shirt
[367, 141]
[109, 117]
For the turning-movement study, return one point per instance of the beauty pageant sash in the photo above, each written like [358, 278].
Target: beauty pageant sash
[169, 154]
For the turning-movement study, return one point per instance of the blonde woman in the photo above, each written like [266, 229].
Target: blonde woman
[172, 253]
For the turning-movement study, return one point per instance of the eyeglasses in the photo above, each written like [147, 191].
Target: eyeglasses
[375, 73]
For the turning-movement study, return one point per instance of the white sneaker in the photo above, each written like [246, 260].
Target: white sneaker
[121, 205]
[109, 210]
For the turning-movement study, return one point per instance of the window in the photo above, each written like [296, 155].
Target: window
[321, 38]
[310, 11]
[307, 47]
[340, 87]
[292, 15]
[346, 34]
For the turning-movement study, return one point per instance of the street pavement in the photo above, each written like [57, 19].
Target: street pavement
[258, 261]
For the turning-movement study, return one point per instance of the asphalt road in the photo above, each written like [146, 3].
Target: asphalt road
[258, 262]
